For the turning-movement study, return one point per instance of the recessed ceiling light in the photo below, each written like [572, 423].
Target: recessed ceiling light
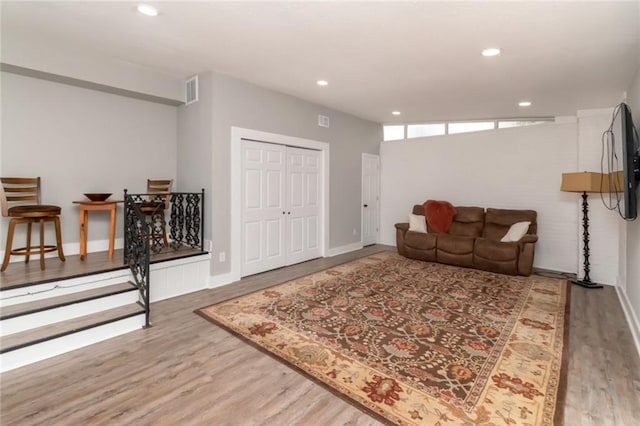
[524, 103]
[395, 113]
[493, 51]
[322, 82]
[148, 10]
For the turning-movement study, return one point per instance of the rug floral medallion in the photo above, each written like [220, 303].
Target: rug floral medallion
[417, 342]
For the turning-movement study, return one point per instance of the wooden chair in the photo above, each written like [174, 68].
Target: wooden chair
[24, 194]
[156, 205]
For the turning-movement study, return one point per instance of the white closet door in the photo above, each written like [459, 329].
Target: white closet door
[263, 207]
[303, 206]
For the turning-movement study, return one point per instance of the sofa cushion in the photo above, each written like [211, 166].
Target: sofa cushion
[421, 246]
[455, 250]
[439, 215]
[496, 250]
[496, 256]
[467, 222]
[418, 209]
[498, 221]
[420, 240]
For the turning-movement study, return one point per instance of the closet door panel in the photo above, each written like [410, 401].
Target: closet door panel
[303, 227]
[263, 209]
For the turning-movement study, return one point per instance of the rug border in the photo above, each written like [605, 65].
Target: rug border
[561, 393]
[294, 367]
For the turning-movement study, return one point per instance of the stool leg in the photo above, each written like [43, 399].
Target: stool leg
[59, 239]
[7, 252]
[112, 230]
[56, 221]
[164, 232]
[42, 244]
[26, 259]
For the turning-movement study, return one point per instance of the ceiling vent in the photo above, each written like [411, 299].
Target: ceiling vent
[323, 121]
[191, 90]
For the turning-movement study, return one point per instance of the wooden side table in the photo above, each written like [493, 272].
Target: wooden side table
[85, 208]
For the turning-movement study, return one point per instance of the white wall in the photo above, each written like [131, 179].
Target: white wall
[630, 261]
[236, 103]
[518, 168]
[79, 141]
[195, 146]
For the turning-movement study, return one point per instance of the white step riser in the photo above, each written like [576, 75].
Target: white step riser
[63, 313]
[60, 288]
[51, 348]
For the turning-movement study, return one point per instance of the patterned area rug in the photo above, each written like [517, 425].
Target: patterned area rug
[417, 342]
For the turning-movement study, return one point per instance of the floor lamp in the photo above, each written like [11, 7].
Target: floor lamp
[585, 182]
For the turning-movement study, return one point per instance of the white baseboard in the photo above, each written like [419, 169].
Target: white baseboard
[344, 249]
[220, 280]
[631, 315]
[388, 243]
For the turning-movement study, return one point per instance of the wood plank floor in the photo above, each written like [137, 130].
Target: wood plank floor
[186, 371]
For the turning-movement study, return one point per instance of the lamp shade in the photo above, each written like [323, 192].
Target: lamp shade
[585, 182]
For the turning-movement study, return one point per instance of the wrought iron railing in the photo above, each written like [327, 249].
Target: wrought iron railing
[186, 221]
[146, 231]
[136, 250]
[185, 228]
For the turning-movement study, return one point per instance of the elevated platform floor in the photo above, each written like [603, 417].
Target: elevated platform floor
[20, 274]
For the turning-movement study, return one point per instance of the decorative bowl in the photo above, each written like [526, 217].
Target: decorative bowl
[97, 196]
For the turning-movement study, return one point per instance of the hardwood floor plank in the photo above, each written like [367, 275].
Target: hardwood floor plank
[185, 370]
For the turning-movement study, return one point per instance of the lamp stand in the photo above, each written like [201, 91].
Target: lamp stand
[586, 281]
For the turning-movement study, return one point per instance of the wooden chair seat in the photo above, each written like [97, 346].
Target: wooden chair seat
[34, 211]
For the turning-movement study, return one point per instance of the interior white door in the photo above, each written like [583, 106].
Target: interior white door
[263, 207]
[303, 205]
[370, 198]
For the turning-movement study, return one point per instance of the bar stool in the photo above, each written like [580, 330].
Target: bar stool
[27, 190]
[159, 200]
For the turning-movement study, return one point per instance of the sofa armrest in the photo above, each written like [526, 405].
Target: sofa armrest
[527, 252]
[401, 230]
[529, 238]
[402, 226]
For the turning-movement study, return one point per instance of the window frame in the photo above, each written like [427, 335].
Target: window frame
[496, 125]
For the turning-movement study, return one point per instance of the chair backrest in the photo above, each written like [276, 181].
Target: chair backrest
[160, 187]
[19, 191]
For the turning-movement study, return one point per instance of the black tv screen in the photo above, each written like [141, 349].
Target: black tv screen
[624, 164]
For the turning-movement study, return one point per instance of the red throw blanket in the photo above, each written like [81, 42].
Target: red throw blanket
[439, 215]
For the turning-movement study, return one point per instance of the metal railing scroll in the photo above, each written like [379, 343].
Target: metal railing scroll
[136, 250]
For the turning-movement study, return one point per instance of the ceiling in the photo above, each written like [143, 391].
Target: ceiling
[421, 58]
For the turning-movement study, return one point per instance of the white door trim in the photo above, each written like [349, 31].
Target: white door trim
[237, 135]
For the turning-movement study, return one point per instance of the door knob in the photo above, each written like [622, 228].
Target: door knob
[366, 205]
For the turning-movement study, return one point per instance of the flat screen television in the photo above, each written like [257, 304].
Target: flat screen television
[624, 162]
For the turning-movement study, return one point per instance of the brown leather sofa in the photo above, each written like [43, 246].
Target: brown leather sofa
[473, 241]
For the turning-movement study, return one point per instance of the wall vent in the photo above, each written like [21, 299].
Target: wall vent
[191, 90]
[323, 121]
